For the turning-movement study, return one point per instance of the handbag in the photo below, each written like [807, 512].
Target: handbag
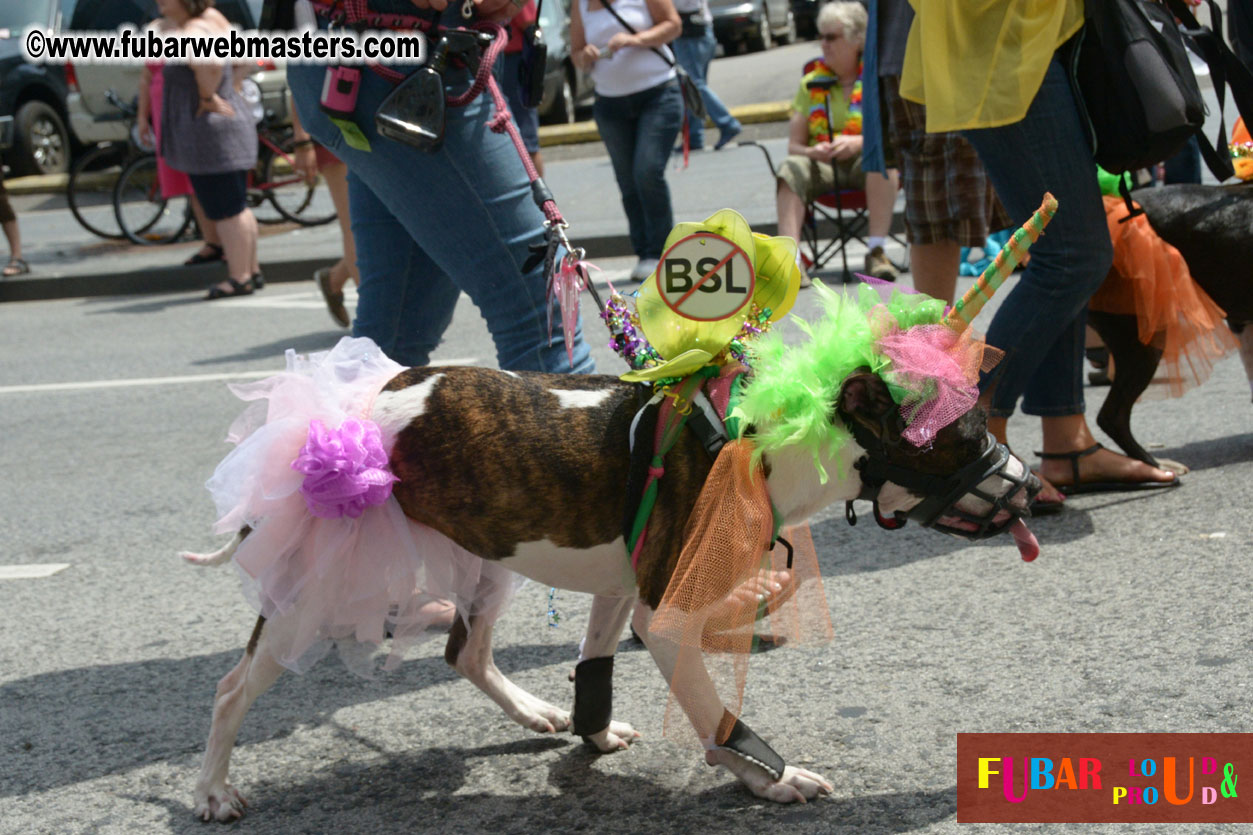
[1130, 71]
[692, 99]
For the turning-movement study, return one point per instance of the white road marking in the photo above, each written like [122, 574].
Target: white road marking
[88, 385]
[32, 571]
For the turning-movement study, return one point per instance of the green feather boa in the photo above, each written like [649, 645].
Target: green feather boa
[791, 398]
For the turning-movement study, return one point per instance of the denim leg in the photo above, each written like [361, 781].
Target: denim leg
[616, 123]
[1040, 324]
[688, 52]
[404, 303]
[467, 207]
[660, 119]
[718, 112]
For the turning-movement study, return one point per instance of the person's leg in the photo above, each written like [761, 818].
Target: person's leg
[336, 176]
[934, 268]
[791, 210]
[616, 120]
[238, 243]
[223, 197]
[8, 222]
[689, 52]
[880, 200]
[1040, 324]
[404, 303]
[467, 207]
[661, 118]
[212, 245]
[14, 236]
[728, 126]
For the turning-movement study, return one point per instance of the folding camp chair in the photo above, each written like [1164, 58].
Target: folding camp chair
[844, 210]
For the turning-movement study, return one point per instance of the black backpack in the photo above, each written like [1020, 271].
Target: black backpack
[1130, 71]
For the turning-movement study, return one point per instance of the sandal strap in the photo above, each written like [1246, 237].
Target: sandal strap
[1073, 457]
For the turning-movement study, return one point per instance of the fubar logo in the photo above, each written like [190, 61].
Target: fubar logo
[1099, 778]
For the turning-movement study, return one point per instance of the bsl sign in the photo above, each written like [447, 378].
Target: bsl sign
[705, 277]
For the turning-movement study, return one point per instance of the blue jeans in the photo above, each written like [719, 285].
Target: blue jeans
[430, 225]
[639, 130]
[694, 55]
[1040, 324]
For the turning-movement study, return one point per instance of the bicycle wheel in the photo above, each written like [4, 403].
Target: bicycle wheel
[296, 199]
[142, 211]
[89, 191]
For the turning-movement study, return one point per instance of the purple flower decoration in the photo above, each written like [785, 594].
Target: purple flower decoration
[345, 469]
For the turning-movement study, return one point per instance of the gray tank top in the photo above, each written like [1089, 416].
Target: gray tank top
[210, 143]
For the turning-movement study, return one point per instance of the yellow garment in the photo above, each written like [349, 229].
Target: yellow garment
[980, 63]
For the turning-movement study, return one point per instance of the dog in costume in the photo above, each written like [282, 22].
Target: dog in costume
[360, 491]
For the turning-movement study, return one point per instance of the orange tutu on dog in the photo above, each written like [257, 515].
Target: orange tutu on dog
[1150, 280]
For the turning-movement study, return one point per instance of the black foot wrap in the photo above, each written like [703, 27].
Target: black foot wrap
[593, 695]
[744, 743]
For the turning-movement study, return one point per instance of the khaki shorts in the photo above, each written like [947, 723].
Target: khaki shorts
[810, 180]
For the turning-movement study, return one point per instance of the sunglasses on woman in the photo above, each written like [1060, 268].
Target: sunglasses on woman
[828, 37]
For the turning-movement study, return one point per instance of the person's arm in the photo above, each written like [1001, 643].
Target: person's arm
[666, 27]
[304, 154]
[798, 140]
[582, 53]
[208, 76]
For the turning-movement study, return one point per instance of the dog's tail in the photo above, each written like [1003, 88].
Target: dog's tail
[219, 556]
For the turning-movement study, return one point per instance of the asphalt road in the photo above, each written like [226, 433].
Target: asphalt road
[1134, 618]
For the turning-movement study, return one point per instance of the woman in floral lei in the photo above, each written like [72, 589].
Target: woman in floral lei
[824, 136]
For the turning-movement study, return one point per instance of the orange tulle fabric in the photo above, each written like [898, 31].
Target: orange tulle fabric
[710, 609]
[1150, 280]
[1240, 139]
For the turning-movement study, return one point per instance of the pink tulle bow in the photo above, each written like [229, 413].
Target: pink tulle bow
[941, 374]
[346, 469]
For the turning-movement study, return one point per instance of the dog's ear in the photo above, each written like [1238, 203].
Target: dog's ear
[865, 398]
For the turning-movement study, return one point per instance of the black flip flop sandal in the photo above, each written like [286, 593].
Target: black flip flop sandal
[201, 258]
[1080, 487]
[237, 289]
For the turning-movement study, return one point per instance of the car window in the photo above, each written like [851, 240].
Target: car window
[17, 16]
[91, 15]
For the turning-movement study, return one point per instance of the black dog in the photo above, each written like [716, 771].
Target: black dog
[1212, 227]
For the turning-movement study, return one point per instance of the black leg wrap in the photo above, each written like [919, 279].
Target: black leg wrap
[593, 695]
[744, 743]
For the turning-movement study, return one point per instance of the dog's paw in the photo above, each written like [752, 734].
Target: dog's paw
[617, 737]
[223, 804]
[796, 784]
[539, 715]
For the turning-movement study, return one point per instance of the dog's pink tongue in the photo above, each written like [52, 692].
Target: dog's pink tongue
[1028, 545]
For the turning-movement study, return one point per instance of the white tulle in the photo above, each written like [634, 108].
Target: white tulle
[335, 581]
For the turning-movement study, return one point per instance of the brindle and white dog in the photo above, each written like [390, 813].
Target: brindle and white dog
[479, 461]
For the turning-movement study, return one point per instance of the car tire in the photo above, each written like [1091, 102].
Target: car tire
[41, 141]
[761, 40]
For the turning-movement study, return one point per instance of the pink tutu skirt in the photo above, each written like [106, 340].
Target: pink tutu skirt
[341, 581]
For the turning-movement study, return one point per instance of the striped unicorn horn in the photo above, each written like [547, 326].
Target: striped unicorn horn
[969, 305]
